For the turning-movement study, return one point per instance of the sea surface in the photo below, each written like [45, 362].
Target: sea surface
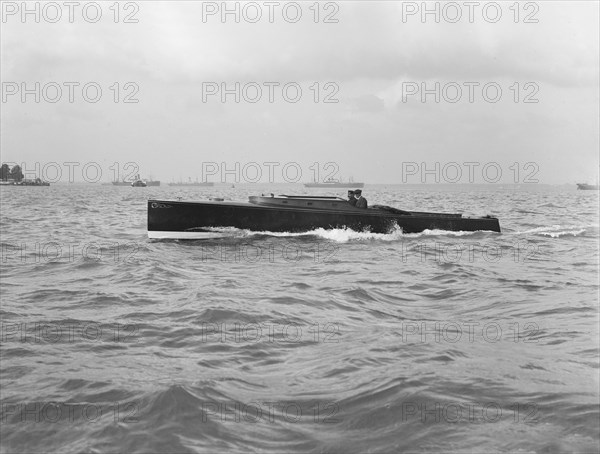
[330, 341]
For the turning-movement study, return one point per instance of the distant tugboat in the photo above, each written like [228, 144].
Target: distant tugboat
[332, 183]
[137, 178]
[138, 183]
[588, 187]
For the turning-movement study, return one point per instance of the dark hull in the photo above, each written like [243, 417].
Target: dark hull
[197, 217]
[588, 187]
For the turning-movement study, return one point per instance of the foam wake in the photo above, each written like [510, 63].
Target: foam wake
[343, 235]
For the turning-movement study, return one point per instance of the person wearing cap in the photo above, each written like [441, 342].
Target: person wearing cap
[361, 202]
[351, 198]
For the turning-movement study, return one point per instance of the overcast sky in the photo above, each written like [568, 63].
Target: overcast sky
[369, 56]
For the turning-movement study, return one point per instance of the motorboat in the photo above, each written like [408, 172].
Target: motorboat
[289, 213]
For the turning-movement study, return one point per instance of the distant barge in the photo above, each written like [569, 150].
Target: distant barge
[284, 213]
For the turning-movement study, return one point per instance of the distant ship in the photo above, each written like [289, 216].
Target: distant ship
[588, 187]
[332, 183]
[137, 178]
[193, 183]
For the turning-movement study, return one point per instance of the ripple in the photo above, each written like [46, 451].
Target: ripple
[183, 343]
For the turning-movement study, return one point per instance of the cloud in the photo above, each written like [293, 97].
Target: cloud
[371, 53]
[370, 41]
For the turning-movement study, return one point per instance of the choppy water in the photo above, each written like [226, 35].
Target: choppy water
[326, 342]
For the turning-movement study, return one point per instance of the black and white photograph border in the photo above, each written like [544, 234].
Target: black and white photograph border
[299, 226]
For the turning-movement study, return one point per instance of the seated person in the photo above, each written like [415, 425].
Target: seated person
[351, 198]
[361, 202]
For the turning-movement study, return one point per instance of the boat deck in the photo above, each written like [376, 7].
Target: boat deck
[332, 204]
[316, 203]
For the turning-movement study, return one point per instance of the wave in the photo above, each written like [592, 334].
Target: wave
[557, 231]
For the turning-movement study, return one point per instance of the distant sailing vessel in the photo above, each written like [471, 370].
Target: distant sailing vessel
[588, 187]
[333, 183]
